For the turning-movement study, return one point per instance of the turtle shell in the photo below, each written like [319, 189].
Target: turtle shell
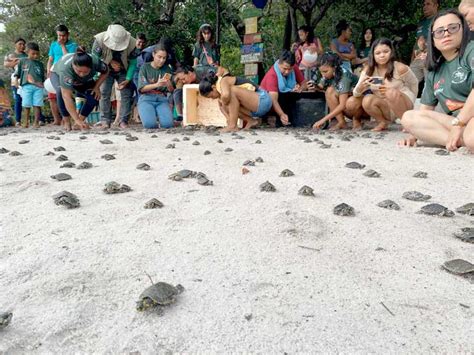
[161, 294]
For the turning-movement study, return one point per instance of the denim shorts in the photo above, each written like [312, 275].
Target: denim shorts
[264, 103]
[32, 95]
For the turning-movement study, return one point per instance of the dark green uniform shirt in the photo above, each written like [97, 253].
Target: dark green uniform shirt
[149, 75]
[200, 53]
[68, 78]
[30, 72]
[451, 84]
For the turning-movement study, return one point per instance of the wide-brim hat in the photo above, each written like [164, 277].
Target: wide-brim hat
[117, 38]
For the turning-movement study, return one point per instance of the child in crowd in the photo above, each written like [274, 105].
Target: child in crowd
[418, 60]
[205, 49]
[393, 86]
[30, 77]
[154, 83]
[307, 50]
[338, 83]
[238, 97]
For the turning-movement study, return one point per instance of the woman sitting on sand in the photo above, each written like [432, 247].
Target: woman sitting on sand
[154, 83]
[74, 74]
[238, 97]
[338, 83]
[386, 88]
[450, 83]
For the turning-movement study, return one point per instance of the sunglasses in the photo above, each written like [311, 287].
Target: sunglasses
[451, 29]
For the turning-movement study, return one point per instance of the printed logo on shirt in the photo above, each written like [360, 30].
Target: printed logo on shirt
[68, 80]
[438, 87]
[459, 76]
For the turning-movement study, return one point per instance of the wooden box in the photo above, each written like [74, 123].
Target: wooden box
[199, 110]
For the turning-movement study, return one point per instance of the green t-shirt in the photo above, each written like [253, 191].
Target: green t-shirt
[30, 72]
[345, 85]
[149, 75]
[68, 78]
[424, 28]
[451, 84]
[200, 53]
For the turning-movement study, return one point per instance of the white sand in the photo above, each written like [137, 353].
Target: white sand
[72, 277]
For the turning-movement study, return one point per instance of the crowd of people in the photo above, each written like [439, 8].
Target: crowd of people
[358, 83]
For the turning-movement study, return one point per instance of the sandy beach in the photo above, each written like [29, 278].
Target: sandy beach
[263, 272]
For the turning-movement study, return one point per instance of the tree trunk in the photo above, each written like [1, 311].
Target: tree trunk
[287, 34]
[294, 25]
[218, 22]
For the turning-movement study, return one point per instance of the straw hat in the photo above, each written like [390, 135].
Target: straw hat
[117, 38]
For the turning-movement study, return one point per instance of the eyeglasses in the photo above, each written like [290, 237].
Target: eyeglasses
[451, 29]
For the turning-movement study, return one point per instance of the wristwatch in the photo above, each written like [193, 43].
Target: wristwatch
[457, 122]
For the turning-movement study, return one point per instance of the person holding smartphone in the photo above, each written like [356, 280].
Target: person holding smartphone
[386, 88]
[154, 84]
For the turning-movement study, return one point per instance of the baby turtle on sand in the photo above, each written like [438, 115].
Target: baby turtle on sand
[196, 143]
[287, 173]
[175, 177]
[59, 149]
[131, 138]
[15, 153]
[203, 180]
[325, 146]
[344, 209]
[220, 141]
[267, 186]
[186, 139]
[143, 166]
[61, 177]
[355, 165]
[207, 152]
[170, 146]
[420, 175]
[62, 158]
[435, 209]
[185, 173]
[466, 234]
[468, 209]
[113, 187]
[5, 319]
[371, 173]
[258, 141]
[4, 151]
[68, 164]
[458, 266]
[24, 141]
[66, 199]
[259, 160]
[153, 136]
[49, 153]
[82, 137]
[56, 138]
[108, 157]
[175, 140]
[158, 295]
[248, 163]
[153, 203]
[227, 150]
[415, 196]
[441, 152]
[389, 204]
[106, 141]
[84, 165]
[306, 191]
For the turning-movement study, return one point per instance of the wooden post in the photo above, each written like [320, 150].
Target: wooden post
[251, 49]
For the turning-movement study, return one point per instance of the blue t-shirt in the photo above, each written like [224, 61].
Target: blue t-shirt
[56, 51]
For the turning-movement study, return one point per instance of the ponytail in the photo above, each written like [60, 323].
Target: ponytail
[205, 86]
[82, 58]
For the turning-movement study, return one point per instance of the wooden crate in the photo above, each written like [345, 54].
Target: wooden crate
[199, 110]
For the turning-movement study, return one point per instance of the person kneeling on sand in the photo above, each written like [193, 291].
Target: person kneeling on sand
[74, 74]
[386, 88]
[338, 83]
[449, 82]
[238, 97]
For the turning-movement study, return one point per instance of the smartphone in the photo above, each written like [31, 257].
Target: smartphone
[377, 80]
[167, 76]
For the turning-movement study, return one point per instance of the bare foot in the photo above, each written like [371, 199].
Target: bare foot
[338, 126]
[36, 125]
[229, 129]
[356, 125]
[101, 125]
[382, 126]
[252, 123]
[123, 125]
[57, 123]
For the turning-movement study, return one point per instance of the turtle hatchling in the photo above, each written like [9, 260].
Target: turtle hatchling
[113, 187]
[227, 150]
[248, 163]
[220, 141]
[259, 160]
[371, 173]
[466, 234]
[59, 149]
[344, 209]
[306, 191]
[84, 165]
[158, 295]
[175, 177]
[207, 152]
[258, 141]
[458, 266]
[49, 154]
[196, 143]
[468, 209]
[355, 165]
[4, 151]
[415, 196]
[24, 141]
[435, 209]
[61, 177]
[15, 153]
[153, 203]
[68, 164]
[186, 139]
[66, 199]
[389, 204]
[421, 175]
[143, 166]
[287, 173]
[170, 146]
[185, 173]
[441, 152]
[62, 158]
[131, 138]
[108, 157]
[5, 319]
[106, 141]
[203, 180]
[267, 186]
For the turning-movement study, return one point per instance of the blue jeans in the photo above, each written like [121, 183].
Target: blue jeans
[153, 108]
[84, 92]
[17, 104]
[126, 98]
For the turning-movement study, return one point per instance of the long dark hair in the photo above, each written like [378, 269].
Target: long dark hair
[205, 85]
[391, 63]
[331, 59]
[310, 37]
[200, 37]
[82, 58]
[434, 58]
[342, 26]
[362, 40]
